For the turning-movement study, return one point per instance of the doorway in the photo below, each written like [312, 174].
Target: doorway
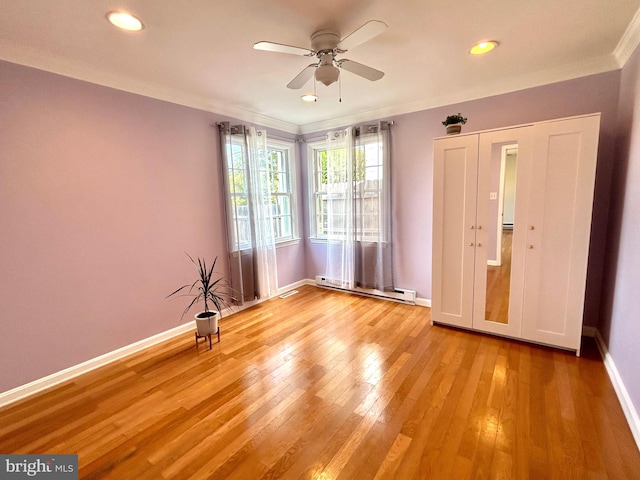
[499, 268]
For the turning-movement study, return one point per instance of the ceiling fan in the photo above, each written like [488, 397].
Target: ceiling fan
[325, 46]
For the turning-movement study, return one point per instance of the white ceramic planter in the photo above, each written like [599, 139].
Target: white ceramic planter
[207, 323]
[454, 128]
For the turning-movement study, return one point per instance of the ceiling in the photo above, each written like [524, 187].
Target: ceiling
[199, 52]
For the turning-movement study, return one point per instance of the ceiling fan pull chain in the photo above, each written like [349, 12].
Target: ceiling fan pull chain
[340, 88]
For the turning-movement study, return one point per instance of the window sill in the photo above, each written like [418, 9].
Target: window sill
[324, 240]
[285, 243]
[317, 240]
[288, 243]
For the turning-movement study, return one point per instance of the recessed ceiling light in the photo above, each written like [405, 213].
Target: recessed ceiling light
[125, 21]
[483, 47]
[309, 97]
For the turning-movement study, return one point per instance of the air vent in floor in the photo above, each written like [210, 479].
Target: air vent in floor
[289, 293]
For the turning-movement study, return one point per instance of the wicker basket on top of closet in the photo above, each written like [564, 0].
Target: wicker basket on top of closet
[511, 227]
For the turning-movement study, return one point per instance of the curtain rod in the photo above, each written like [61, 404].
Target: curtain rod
[234, 129]
[298, 139]
[313, 139]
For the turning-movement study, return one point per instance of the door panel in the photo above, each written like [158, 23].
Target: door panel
[559, 230]
[454, 190]
[498, 289]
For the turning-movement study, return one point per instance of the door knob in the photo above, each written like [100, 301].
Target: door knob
[479, 227]
[471, 244]
[531, 227]
[530, 246]
[479, 244]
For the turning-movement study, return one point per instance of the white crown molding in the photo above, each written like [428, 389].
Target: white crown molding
[629, 41]
[38, 59]
[531, 80]
[34, 58]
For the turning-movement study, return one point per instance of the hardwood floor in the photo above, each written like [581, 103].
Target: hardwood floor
[329, 385]
[499, 283]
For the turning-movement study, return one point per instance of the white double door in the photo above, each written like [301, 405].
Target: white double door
[526, 279]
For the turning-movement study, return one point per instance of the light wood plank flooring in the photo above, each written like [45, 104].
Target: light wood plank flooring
[499, 284]
[334, 386]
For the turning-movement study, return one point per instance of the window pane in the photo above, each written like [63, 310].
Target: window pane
[371, 206]
[237, 157]
[240, 201]
[283, 205]
[321, 216]
[284, 225]
[333, 176]
[274, 178]
[281, 182]
[237, 182]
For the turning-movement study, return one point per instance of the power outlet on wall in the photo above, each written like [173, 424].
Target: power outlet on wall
[493, 196]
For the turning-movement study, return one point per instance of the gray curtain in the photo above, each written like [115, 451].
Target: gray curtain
[358, 206]
[249, 213]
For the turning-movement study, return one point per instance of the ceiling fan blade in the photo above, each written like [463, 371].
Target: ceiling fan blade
[280, 48]
[362, 70]
[302, 78]
[366, 32]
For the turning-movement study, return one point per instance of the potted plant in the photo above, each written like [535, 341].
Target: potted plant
[213, 291]
[453, 123]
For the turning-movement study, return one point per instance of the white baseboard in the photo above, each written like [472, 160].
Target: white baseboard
[423, 302]
[31, 388]
[623, 395]
[306, 281]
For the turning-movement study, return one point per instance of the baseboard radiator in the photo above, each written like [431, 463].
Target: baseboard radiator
[398, 295]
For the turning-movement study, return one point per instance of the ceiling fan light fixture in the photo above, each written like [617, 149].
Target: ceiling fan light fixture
[483, 47]
[125, 21]
[327, 74]
[309, 97]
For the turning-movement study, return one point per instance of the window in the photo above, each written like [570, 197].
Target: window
[277, 174]
[366, 180]
[281, 175]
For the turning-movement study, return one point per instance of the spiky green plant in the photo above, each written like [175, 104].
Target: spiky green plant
[206, 288]
[453, 119]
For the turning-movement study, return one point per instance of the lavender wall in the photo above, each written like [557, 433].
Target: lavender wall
[101, 193]
[413, 163]
[620, 325]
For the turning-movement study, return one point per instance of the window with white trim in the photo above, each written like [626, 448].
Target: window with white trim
[366, 187]
[279, 172]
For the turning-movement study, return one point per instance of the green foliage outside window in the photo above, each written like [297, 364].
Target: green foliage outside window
[338, 162]
[272, 175]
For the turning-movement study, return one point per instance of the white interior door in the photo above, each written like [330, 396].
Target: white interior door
[498, 289]
[558, 230]
[454, 210]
